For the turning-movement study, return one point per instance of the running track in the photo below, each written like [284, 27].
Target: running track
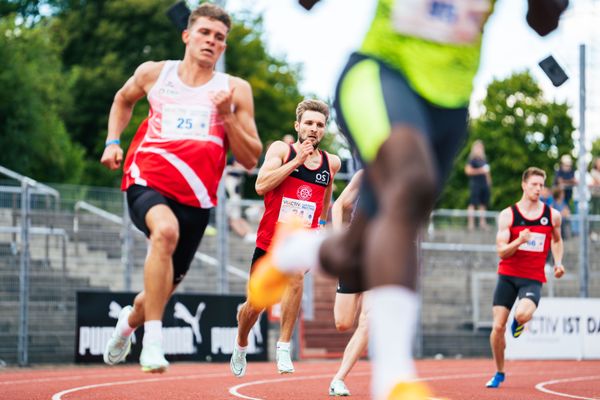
[450, 379]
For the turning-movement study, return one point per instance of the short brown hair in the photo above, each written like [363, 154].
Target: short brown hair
[211, 11]
[312, 105]
[533, 171]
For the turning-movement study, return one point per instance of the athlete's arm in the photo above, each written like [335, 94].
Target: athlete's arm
[504, 248]
[134, 89]
[273, 170]
[556, 245]
[345, 201]
[334, 165]
[239, 123]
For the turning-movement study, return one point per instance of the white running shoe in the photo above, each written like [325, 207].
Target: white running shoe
[284, 361]
[118, 347]
[337, 387]
[152, 358]
[238, 362]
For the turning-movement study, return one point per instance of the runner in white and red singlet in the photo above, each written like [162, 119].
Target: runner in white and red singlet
[174, 165]
[527, 231]
[296, 182]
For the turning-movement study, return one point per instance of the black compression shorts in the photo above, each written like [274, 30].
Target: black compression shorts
[509, 288]
[192, 223]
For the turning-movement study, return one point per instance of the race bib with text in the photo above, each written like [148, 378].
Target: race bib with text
[185, 120]
[535, 243]
[294, 208]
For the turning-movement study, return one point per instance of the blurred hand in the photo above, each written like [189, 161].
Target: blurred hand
[305, 150]
[525, 235]
[308, 4]
[112, 156]
[559, 271]
[223, 100]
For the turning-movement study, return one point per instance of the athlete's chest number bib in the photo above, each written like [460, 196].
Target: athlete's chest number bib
[535, 243]
[293, 208]
[184, 120]
[444, 21]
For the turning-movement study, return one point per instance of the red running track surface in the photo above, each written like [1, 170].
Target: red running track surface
[449, 379]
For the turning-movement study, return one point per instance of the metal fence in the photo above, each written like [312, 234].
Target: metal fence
[60, 239]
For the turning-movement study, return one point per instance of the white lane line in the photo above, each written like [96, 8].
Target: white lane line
[541, 386]
[58, 396]
[234, 390]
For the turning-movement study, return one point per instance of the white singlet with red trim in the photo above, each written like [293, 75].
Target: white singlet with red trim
[180, 149]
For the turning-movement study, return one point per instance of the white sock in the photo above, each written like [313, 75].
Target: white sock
[283, 346]
[152, 332]
[123, 327]
[299, 251]
[241, 349]
[392, 323]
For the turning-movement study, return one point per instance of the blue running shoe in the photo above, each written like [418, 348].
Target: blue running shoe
[496, 380]
[516, 329]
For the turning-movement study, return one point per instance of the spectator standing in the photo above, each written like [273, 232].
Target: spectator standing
[564, 177]
[480, 181]
[595, 186]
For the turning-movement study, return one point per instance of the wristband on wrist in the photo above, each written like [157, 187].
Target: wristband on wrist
[112, 141]
[322, 222]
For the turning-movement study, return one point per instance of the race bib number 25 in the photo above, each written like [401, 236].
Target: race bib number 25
[444, 21]
[182, 120]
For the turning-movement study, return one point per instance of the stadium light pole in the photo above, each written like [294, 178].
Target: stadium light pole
[583, 203]
[221, 212]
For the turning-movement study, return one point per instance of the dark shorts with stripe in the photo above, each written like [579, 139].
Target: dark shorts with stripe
[192, 223]
[258, 253]
[347, 288]
[509, 288]
[371, 98]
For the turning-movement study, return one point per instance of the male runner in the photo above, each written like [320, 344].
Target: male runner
[296, 182]
[174, 165]
[526, 232]
[348, 299]
[402, 102]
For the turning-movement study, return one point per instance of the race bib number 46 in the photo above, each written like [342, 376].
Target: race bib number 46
[535, 243]
[183, 120]
[444, 21]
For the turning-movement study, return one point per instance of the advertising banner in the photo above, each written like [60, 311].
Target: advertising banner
[561, 328]
[195, 327]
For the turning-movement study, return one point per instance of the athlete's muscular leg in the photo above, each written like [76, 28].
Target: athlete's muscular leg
[525, 309]
[158, 268]
[403, 178]
[340, 255]
[497, 341]
[345, 308]
[137, 316]
[246, 317]
[290, 306]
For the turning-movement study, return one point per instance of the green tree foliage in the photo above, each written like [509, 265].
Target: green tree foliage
[27, 9]
[595, 148]
[274, 81]
[33, 138]
[104, 41]
[519, 128]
